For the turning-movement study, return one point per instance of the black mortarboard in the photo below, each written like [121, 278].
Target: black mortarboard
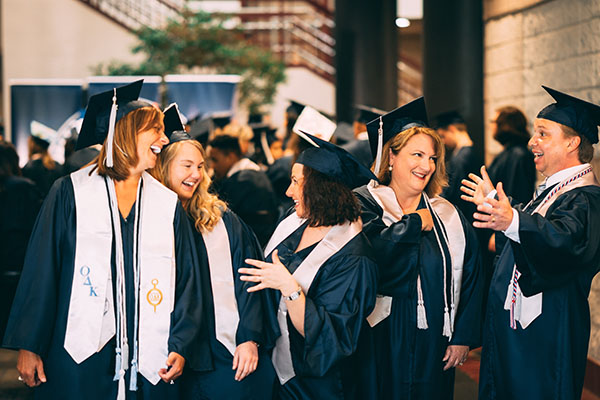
[95, 126]
[580, 115]
[445, 119]
[394, 122]
[365, 114]
[335, 162]
[174, 128]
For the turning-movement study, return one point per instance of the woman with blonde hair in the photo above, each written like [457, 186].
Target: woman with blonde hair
[428, 310]
[107, 302]
[235, 364]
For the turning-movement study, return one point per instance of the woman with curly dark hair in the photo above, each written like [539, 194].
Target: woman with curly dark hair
[321, 276]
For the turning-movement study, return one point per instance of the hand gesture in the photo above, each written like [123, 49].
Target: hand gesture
[477, 188]
[497, 215]
[245, 359]
[269, 275]
[31, 368]
[175, 363]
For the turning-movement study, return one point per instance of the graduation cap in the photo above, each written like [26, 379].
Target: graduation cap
[174, 127]
[310, 120]
[385, 127]
[344, 133]
[445, 119]
[365, 114]
[334, 162]
[102, 113]
[42, 135]
[580, 115]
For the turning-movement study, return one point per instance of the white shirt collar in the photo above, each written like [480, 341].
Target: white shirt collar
[244, 163]
[564, 174]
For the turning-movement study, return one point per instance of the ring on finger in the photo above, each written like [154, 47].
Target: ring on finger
[20, 378]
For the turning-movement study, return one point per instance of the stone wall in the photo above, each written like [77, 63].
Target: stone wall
[555, 43]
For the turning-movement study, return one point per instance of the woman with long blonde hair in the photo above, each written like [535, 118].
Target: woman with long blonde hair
[234, 326]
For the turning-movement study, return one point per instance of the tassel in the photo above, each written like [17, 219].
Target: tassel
[421, 316]
[121, 394]
[111, 131]
[133, 376]
[452, 316]
[379, 146]
[447, 329]
[118, 363]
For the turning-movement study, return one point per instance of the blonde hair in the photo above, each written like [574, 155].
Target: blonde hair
[204, 207]
[438, 180]
[125, 154]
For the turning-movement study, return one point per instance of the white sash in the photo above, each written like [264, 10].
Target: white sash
[221, 280]
[334, 240]
[454, 238]
[91, 318]
[527, 309]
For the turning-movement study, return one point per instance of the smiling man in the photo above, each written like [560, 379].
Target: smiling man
[538, 321]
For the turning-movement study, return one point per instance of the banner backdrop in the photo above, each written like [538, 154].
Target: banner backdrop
[49, 102]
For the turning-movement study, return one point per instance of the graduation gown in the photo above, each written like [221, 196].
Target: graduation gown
[340, 298]
[559, 255]
[42, 176]
[514, 167]
[250, 195]
[217, 381]
[39, 314]
[409, 360]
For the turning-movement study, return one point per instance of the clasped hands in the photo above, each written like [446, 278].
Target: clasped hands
[495, 214]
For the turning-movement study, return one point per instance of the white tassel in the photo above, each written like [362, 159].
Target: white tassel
[452, 316]
[421, 314]
[447, 329]
[121, 394]
[111, 131]
[133, 376]
[379, 146]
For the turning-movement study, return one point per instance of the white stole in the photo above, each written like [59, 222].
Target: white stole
[91, 317]
[221, 280]
[527, 309]
[337, 237]
[454, 237]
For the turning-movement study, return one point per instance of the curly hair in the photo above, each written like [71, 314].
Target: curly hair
[438, 180]
[327, 201]
[125, 150]
[204, 207]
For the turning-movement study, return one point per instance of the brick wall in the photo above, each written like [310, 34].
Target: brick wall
[555, 43]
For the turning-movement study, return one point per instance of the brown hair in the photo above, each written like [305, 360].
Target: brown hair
[438, 180]
[125, 145]
[35, 147]
[204, 207]
[585, 151]
[328, 202]
[511, 126]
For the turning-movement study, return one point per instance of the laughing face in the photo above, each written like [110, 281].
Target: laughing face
[414, 164]
[550, 147]
[149, 143]
[186, 171]
[295, 190]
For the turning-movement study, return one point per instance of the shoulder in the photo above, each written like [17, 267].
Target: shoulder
[367, 200]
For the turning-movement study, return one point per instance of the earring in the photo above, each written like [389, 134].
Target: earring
[390, 168]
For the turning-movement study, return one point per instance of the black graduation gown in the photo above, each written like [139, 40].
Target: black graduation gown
[42, 176]
[409, 360]
[250, 195]
[514, 167]
[19, 205]
[38, 318]
[460, 165]
[217, 382]
[338, 302]
[279, 174]
[558, 255]
[79, 159]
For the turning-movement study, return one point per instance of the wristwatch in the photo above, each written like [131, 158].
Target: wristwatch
[294, 295]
